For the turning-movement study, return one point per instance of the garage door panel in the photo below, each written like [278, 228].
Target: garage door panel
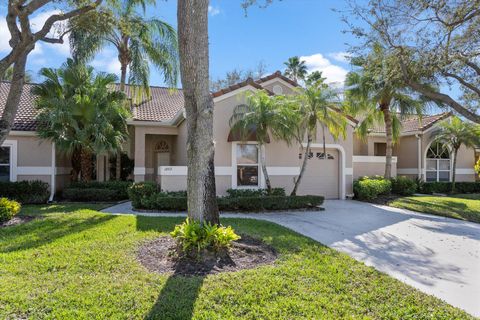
[322, 175]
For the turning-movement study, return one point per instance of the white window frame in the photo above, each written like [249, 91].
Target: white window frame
[437, 161]
[12, 144]
[261, 179]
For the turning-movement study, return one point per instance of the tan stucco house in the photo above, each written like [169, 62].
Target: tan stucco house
[158, 137]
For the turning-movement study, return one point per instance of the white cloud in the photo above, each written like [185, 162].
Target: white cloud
[317, 62]
[107, 61]
[213, 10]
[341, 56]
[4, 36]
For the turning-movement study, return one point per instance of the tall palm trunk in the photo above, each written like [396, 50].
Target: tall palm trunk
[304, 166]
[263, 164]
[454, 169]
[86, 163]
[76, 164]
[387, 117]
[192, 17]
[123, 81]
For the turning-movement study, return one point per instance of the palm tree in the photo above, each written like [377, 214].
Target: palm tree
[9, 75]
[317, 106]
[80, 112]
[265, 114]
[377, 96]
[296, 69]
[138, 41]
[454, 132]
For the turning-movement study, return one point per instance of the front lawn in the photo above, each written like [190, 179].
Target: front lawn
[462, 206]
[74, 263]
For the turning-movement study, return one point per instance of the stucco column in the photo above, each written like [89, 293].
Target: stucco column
[139, 170]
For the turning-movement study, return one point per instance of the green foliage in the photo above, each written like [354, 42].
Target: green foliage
[195, 237]
[370, 188]
[147, 196]
[8, 209]
[446, 187]
[477, 167]
[26, 192]
[296, 69]
[127, 166]
[235, 193]
[97, 191]
[403, 186]
[77, 109]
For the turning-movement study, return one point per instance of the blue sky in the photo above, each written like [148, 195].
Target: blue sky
[307, 28]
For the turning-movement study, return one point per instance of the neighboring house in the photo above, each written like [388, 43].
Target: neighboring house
[158, 136]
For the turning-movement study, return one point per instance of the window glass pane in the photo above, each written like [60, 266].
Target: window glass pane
[431, 164]
[247, 175]
[444, 164]
[247, 154]
[444, 176]
[4, 155]
[4, 173]
[431, 176]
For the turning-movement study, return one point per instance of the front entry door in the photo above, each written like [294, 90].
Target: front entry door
[163, 159]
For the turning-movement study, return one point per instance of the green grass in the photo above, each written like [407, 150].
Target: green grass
[461, 206]
[76, 263]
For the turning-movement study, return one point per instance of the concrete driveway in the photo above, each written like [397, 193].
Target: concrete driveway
[439, 256]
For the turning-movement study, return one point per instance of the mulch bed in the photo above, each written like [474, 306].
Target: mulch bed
[16, 221]
[160, 255]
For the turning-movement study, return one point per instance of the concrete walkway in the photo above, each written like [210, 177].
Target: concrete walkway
[439, 256]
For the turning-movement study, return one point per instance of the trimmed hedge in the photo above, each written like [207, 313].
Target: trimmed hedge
[8, 209]
[97, 191]
[26, 192]
[147, 196]
[367, 188]
[446, 187]
[403, 186]
[235, 193]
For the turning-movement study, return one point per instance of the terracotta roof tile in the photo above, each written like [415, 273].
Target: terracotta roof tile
[234, 87]
[414, 123]
[278, 74]
[25, 118]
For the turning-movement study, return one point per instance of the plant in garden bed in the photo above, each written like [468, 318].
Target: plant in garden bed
[8, 209]
[26, 192]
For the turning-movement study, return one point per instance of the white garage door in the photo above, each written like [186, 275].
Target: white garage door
[322, 175]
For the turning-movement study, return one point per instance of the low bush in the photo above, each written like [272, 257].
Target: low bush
[403, 186]
[446, 187]
[26, 192]
[194, 237]
[106, 191]
[235, 193]
[367, 188]
[8, 209]
[90, 194]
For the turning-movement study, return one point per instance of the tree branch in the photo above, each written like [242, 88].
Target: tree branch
[463, 82]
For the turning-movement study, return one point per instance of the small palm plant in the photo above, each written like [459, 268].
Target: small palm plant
[317, 106]
[80, 112]
[265, 115]
[454, 132]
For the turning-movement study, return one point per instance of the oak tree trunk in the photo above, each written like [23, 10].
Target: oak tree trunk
[387, 117]
[304, 166]
[13, 97]
[192, 17]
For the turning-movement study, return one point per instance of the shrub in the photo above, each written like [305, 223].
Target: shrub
[90, 194]
[142, 190]
[235, 193]
[194, 237]
[403, 186]
[369, 189]
[162, 202]
[8, 209]
[446, 187]
[268, 203]
[111, 190]
[26, 192]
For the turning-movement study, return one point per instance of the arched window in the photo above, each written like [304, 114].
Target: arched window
[438, 163]
[162, 146]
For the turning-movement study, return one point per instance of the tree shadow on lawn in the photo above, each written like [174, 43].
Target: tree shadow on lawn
[177, 298]
[40, 232]
[43, 209]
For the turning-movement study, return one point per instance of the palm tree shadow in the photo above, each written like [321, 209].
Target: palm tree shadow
[177, 298]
